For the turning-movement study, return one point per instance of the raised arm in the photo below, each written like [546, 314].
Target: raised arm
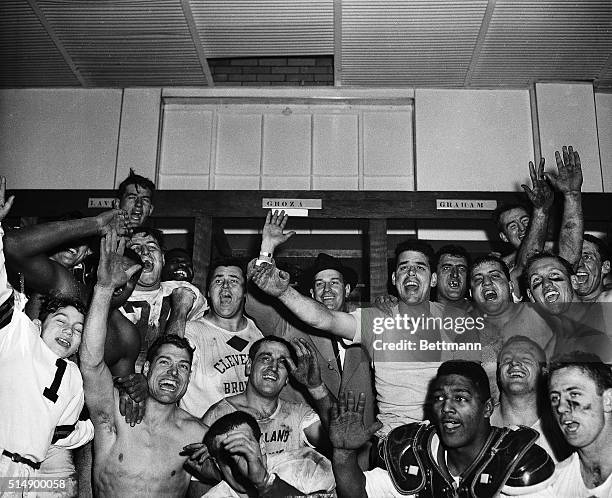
[569, 182]
[6, 291]
[27, 248]
[97, 379]
[347, 434]
[276, 283]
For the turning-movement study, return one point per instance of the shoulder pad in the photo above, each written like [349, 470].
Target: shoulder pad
[535, 467]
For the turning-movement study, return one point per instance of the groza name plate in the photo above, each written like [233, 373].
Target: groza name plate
[291, 203]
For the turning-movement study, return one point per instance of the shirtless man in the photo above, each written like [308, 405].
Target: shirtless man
[144, 460]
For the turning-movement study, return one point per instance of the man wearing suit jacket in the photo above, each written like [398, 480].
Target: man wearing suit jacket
[342, 368]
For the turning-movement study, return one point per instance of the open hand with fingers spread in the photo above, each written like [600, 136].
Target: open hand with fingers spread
[113, 269]
[568, 180]
[347, 430]
[5, 204]
[540, 194]
[307, 371]
[268, 278]
[273, 233]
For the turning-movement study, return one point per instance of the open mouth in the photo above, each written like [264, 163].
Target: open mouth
[517, 374]
[489, 295]
[570, 427]
[180, 273]
[551, 296]
[411, 285]
[63, 342]
[270, 377]
[454, 284]
[168, 385]
[450, 425]
[147, 265]
[582, 277]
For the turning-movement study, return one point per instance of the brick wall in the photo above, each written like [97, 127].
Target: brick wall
[270, 71]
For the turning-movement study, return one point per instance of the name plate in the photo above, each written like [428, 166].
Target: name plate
[100, 202]
[466, 204]
[285, 204]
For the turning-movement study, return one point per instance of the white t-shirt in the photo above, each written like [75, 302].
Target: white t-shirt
[218, 367]
[149, 311]
[568, 481]
[32, 405]
[282, 431]
[380, 485]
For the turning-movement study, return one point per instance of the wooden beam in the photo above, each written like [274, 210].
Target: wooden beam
[197, 42]
[377, 237]
[202, 249]
[336, 204]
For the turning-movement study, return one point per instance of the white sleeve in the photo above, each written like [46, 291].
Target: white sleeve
[200, 306]
[379, 484]
[82, 434]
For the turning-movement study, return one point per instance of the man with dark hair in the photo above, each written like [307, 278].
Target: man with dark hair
[41, 395]
[178, 265]
[286, 425]
[135, 196]
[580, 390]
[405, 349]
[458, 454]
[329, 282]
[552, 284]
[157, 305]
[222, 339]
[151, 450]
[452, 263]
[233, 443]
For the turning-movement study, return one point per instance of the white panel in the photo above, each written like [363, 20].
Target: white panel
[335, 183]
[566, 116]
[472, 139]
[187, 182]
[335, 144]
[387, 144]
[59, 139]
[603, 108]
[238, 144]
[388, 183]
[186, 141]
[451, 234]
[237, 182]
[139, 133]
[286, 145]
[285, 183]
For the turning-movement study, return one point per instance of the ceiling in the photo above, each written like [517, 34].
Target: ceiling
[374, 43]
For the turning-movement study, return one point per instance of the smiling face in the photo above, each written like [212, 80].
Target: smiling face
[519, 367]
[514, 224]
[136, 200]
[61, 331]
[226, 291]
[452, 277]
[591, 271]
[490, 287]
[459, 414]
[413, 278]
[577, 407]
[550, 285]
[328, 288]
[152, 260]
[178, 266]
[71, 256]
[268, 372]
[168, 373]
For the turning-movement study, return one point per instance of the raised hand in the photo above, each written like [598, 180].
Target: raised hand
[568, 180]
[347, 430]
[182, 299]
[113, 271]
[113, 220]
[5, 205]
[540, 195]
[273, 233]
[385, 303]
[268, 278]
[307, 371]
[246, 453]
[134, 391]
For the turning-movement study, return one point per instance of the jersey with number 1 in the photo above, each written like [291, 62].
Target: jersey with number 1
[38, 390]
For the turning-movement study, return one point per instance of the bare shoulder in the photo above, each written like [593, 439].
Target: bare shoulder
[605, 297]
[192, 426]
